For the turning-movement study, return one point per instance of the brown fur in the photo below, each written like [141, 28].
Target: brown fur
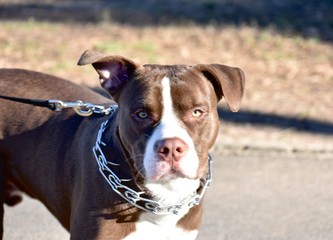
[49, 155]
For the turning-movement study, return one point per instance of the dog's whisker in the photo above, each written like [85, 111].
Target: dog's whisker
[140, 168]
[141, 171]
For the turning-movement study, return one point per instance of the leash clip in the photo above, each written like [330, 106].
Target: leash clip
[79, 107]
[57, 105]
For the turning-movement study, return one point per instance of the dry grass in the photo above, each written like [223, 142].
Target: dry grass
[285, 74]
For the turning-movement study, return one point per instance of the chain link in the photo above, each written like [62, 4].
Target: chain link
[134, 197]
[80, 108]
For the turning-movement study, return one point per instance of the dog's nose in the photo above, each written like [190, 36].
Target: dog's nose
[171, 149]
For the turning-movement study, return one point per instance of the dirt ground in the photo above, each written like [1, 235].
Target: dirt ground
[287, 73]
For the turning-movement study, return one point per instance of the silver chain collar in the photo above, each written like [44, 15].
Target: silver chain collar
[134, 197]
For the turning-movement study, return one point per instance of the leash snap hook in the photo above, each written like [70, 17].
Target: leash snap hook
[84, 110]
[57, 105]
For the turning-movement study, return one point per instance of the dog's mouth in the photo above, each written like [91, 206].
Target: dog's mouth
[163, 171]
[174, 173]
[171, 175]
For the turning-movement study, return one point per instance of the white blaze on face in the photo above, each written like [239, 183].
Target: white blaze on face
[165, 189]
[169, 127]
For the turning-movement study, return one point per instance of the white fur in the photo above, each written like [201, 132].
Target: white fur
[150, 231]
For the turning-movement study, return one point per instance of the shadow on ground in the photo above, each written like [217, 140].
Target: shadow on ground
[310, 18]
[278, 121]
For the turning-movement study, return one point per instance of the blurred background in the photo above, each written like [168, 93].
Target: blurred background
[274, 158]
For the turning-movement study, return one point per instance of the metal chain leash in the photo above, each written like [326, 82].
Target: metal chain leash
[80, 108]
[135, 197]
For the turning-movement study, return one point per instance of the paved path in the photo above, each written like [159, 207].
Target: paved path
[282, 197]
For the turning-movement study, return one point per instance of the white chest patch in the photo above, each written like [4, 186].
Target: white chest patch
[163, 229]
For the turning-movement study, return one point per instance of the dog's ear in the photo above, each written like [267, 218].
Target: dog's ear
[227, 81]
[114, 71]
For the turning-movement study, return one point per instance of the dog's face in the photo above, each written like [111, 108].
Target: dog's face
[168, 122]
[167, 115]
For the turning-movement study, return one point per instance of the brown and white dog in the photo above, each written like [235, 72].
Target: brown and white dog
[155, 144]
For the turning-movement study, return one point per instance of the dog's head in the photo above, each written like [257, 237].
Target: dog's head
[167, 115]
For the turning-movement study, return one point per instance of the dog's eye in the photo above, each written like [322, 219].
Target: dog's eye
[197, 113]
[141, 114]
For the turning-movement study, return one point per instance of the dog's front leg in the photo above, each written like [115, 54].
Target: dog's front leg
[100, 228]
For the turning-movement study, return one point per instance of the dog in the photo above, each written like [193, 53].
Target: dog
[137, 173]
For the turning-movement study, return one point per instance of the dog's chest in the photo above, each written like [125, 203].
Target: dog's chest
[163, 228]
